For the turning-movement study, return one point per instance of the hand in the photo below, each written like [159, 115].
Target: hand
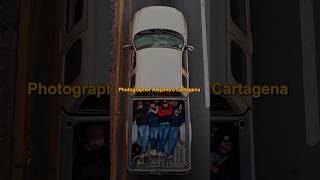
[181, 141]
[214, 169]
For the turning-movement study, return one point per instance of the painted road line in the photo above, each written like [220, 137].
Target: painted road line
[205, 54]
[126, 101]
[309, 73]
[116, 106]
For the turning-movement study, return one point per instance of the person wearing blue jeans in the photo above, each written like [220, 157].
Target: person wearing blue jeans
[153, 127]
[143, 131]
[164, 116]
[173, 139]
[164, 129]
[176, 120]
[141, 118]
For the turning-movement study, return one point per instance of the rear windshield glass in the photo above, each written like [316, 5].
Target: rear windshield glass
[158, 38]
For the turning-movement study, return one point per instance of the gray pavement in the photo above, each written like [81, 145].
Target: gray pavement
[281, 148]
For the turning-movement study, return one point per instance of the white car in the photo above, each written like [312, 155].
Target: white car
[160, 49]
[159, 59]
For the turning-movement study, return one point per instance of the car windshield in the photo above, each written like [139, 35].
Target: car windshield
[158, 38]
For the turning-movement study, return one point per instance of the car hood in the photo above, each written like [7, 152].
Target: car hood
[159, 17]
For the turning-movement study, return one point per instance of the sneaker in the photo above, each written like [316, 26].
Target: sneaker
[142, 155]
[171, 156]
[153, 152]
[160, 154]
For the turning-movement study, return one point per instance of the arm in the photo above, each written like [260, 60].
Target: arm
[134, 119]
[182, 117]
[153, 111]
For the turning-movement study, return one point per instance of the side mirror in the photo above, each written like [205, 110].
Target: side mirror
[190, 48]
[127, 46]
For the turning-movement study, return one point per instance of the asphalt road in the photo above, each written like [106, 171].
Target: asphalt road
[199, 113]
[280, 130]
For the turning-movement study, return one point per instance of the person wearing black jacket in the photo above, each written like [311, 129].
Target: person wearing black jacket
[153, 127]
[141, 118]
[92, 158]
[176, 120]
[223, 167]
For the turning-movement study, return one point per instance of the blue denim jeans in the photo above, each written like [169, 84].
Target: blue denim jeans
[163, 136]
[173, 139]
[143, 132]
[154, 131]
